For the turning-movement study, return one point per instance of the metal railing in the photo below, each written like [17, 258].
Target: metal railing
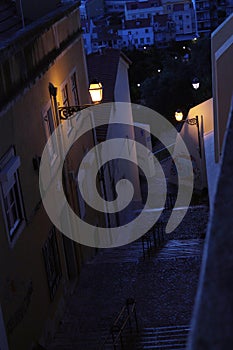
[124, 318]
[153, 239]
[170, 201]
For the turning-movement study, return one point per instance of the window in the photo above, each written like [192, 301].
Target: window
[148, 40]
[49, 128]
[66, 102]
[65, 98]
[142, 40]
[74, 88]
[146, 30]
[11, 196]
[52, 262]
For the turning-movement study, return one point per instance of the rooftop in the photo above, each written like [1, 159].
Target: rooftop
[10, 21]
[161, 19]
[12, 30]
[178, 7]
[142, 5]
[137, 23]
[103, 66]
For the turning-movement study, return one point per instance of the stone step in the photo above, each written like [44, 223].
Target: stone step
[173, 249]
[178, 249]
[170, 338]
[164, 338]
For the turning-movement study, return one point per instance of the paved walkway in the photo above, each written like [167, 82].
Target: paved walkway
[164, 287]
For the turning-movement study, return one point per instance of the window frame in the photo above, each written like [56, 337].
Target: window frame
[49, 127]
[66, 102]
[11, 197]
[75, 96]
[52, 267]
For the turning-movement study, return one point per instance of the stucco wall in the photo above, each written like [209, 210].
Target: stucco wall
[121, 91]
[22, 266]
[222, 53]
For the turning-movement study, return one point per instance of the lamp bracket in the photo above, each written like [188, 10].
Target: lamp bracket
[192, 121]
[67, 111]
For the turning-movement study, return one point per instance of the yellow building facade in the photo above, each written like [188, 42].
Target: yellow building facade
[38, 265]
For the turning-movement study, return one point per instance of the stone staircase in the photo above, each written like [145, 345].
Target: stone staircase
[163, 338]
[163, 285]
[148, 338]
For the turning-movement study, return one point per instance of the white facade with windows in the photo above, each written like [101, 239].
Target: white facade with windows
[184, 17]
[145, 9]
[112, 6]
[138, 33]
[139, 27]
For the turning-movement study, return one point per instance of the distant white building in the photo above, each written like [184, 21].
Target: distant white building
[164, 30]
[184, 17]
[98, 35]
[112, 6]
[82, 9]
[143, 23]
[89, 34]
[138, 33]
[143, 9]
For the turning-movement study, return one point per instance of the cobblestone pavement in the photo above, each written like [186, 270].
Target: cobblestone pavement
[164, 287]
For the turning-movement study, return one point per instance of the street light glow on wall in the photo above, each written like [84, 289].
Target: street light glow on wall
[64, 112]
[191, 121]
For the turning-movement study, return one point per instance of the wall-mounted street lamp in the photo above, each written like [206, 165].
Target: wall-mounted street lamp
[195, 83]
[178, 115]
[96, 91]
[192, 121]
[64, 112]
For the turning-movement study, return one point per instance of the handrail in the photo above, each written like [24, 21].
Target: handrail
[123, 318]
[157, 234]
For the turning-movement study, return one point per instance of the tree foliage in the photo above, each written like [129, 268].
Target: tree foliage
[171, 88]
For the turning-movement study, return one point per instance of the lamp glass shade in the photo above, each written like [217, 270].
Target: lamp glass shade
[96, 92]
[195, 83]
[179, 116]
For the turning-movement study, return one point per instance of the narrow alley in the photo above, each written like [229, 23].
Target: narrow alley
[163, 282]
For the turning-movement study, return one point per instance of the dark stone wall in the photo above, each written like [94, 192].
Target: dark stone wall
[36, 9]
[213, 315]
